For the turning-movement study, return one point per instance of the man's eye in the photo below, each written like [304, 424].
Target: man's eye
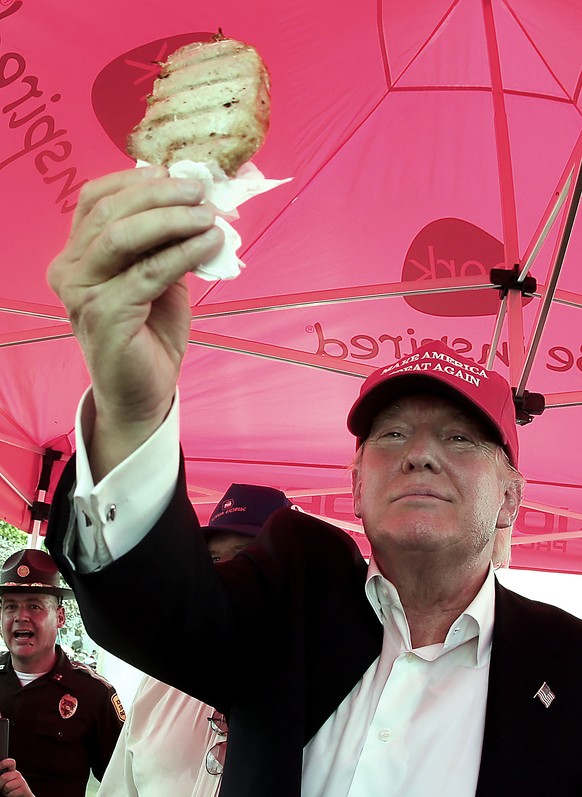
[216, 558]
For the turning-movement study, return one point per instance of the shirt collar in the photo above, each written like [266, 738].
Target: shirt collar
[476, 622]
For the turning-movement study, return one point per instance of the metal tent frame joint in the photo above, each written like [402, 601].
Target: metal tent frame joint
[506, 280]
[527, 405]
[40, 510]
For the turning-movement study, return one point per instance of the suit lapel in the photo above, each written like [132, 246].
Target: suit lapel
[348, 641]
[516, 723]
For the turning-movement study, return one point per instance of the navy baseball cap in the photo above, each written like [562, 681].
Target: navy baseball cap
[244, 508]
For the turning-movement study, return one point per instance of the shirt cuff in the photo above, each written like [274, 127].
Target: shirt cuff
[113, 516]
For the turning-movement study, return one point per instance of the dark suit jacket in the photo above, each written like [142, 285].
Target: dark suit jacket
[279, 636]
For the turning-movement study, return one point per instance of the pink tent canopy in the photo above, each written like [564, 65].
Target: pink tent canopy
[429, 143]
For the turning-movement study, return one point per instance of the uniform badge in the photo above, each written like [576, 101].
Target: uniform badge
[67, 706]
[118, 706]
[23, 571]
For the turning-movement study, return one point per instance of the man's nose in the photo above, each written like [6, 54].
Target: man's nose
[421, 452]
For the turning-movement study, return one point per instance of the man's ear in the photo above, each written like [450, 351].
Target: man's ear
[356, 490]
[510, 507]
[61, 617]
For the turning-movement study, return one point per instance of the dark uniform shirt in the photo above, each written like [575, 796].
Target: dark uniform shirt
[62, 725]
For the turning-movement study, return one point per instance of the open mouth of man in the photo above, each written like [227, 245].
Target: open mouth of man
[23, 636]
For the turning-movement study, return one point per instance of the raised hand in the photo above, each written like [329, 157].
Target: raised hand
[135, 235]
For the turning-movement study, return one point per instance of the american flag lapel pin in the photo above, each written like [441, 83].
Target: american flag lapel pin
[545, 694]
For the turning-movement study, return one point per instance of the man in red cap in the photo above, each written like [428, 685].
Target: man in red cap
[415, 675]
[64, 719]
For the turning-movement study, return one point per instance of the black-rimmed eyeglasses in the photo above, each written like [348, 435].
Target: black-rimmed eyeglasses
[216, 755]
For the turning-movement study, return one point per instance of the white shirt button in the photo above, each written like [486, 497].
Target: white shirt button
[410, 657]
[385, 735]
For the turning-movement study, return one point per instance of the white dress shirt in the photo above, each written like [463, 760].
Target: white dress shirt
[412, 726]
[114, 515]
[161, 751]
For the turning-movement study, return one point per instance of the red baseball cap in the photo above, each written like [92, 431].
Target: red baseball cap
[435, 368]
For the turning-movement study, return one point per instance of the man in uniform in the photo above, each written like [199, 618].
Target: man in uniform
[64, 718]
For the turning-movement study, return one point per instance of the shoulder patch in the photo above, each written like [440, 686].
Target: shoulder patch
[117, 705]
[78, 666]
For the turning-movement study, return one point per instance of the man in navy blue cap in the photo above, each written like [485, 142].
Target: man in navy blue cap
[172, 743]
[239, 516]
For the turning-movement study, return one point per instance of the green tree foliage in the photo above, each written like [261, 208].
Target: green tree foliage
[11, 540]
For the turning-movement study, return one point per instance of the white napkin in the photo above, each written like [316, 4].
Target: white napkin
[226, 194]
